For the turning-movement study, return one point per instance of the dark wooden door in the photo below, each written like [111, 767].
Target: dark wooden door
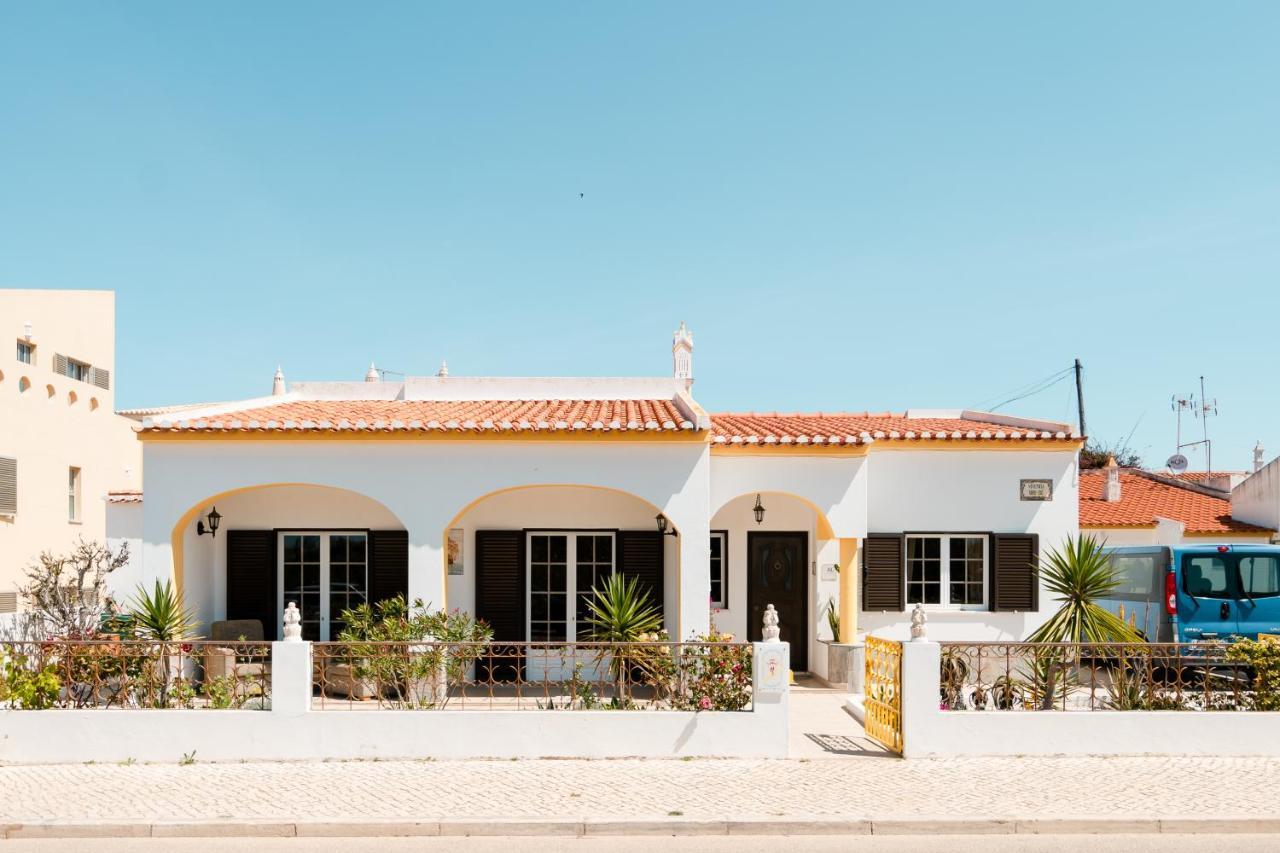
[778, 574]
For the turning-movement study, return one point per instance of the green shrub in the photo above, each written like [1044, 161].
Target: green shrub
[1263, 660]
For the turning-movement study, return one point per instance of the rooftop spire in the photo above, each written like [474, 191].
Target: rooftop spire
[277, 383]
[682, 354]
[444, 368]
[372, 374]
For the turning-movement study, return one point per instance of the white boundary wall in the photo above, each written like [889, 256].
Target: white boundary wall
[929, 731]
[291, 731]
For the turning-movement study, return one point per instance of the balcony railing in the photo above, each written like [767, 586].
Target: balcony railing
[533, 676]
[1101, 677]
[134, 674]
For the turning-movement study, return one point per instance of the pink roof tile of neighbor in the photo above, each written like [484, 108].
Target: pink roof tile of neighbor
[1143, 498]
[861, 428]
[436, 416]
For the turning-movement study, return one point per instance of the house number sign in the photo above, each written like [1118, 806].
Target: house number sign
[1036, 490]
[772, 662]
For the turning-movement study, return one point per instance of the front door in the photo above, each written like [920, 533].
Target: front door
[564, 570]
[778, 574]
[324, 573]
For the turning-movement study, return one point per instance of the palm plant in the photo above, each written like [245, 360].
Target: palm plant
[160, 615]
[1080, 574]
[621, 612]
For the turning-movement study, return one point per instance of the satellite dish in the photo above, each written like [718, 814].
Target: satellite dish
[1177, 463]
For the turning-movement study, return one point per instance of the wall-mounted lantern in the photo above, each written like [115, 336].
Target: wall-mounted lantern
[662, 526]
[758, 509]
[214, 518]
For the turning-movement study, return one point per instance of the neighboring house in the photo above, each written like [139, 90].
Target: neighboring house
[512, 498]
[1129, 506]
[62, 447]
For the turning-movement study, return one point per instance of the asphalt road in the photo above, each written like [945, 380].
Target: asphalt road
[739, 844]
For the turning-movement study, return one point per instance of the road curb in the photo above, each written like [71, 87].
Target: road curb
[644, 827]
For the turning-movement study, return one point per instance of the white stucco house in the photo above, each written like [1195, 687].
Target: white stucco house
[510, 498]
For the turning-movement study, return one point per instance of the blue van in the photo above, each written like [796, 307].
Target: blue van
[1186, 593]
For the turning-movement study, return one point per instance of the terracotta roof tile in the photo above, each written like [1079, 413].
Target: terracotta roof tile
[439, 416]
[1142, 499]
[859, 428]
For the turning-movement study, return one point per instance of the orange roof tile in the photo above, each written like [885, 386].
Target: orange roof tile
[856, 428]
[437, 416]
[1143, 498]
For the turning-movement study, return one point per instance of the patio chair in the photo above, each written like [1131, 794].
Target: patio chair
[223, 661]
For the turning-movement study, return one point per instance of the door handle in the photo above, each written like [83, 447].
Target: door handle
[1224, 611]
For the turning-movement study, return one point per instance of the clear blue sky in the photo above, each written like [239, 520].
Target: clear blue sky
[852, 205]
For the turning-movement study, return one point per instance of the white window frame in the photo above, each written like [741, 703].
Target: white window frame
[571, 577]
[723, 602]
[325, 615]
[75, 478]
[944, 556]
[31, 352]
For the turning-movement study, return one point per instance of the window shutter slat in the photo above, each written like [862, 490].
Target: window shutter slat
[388, 565]
[1015, 572]
[500, 594]
[59, 364]
[252, 592]
[8, 602]
[101, 377]
[8, 486]
[882, 572]
[641, 555]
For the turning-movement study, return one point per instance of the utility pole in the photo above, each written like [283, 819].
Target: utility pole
[1080, 398]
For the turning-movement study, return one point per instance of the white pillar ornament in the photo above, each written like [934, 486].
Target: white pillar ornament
[771, 632]
[292, 623]
[918, 620]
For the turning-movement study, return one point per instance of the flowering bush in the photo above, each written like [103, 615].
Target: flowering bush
[709, 674]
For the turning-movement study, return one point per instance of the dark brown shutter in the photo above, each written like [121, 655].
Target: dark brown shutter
[389, 565]
[641, 555]
[500, 594]
[882, 576]
[251, 579]
[1015, 572]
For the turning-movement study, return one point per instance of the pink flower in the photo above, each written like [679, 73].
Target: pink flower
[705, 703]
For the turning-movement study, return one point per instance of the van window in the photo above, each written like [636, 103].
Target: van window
[1135, 576]
[1205, 577]
[1260, 576]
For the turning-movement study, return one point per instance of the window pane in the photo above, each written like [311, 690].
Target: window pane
[1205, 577]
[338, 547]
[355, 549]
[586, 548]
[559, 548]
[311, 549]
[1260, 576]
[539, 549]
[293, 549]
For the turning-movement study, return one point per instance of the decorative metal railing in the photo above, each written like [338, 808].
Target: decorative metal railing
[104, 674]
[882, 692]
[1109, 677]
[533, 676]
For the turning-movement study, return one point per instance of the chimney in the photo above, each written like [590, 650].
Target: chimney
[444, 369]
[372, 374]
[277, 384]
[1258, 454]
[682, 354]
[1111, 492]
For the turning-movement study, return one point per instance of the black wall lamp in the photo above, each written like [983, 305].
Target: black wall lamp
[214, 518]
[758, 509]
[662, 526]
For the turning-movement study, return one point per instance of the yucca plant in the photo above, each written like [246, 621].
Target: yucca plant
[1079, 573]
[833, 620]
[160, 615]
[621, 612]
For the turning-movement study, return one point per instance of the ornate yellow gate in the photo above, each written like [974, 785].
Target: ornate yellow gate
[882, 691]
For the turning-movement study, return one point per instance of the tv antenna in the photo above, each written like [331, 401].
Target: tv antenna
[1201, 409]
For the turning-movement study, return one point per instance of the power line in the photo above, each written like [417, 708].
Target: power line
[1026, 390]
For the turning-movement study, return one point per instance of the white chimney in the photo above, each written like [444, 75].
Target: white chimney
[444, 369]
[1258, 454]
[372, 374]
[682, 354]
[277, 384]
[1111, 493]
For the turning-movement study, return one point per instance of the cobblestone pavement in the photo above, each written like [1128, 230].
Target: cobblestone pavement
[855, 788]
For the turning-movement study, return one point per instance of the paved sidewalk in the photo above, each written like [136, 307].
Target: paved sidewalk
[867, 789]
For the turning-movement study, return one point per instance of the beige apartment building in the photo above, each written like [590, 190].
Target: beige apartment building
[62, 446]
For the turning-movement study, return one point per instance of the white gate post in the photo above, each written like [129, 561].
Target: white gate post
[921, 682]
[770, 684]
[291, 668]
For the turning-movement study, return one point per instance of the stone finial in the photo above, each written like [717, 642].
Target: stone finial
[918, 620]
[292, 623]
[1111, 492]
[444, 369]
[1258, 454]
[371, 375]
[771, 633]
[682, 354]
[277, 383]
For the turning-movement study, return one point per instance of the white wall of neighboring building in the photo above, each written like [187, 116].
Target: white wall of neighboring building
[1257, 499]
[57, 423]
[1166, 534]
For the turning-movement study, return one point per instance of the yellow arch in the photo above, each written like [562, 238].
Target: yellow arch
[176, 535]
[823, 528]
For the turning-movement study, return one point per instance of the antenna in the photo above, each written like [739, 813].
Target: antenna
[1201, 409]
